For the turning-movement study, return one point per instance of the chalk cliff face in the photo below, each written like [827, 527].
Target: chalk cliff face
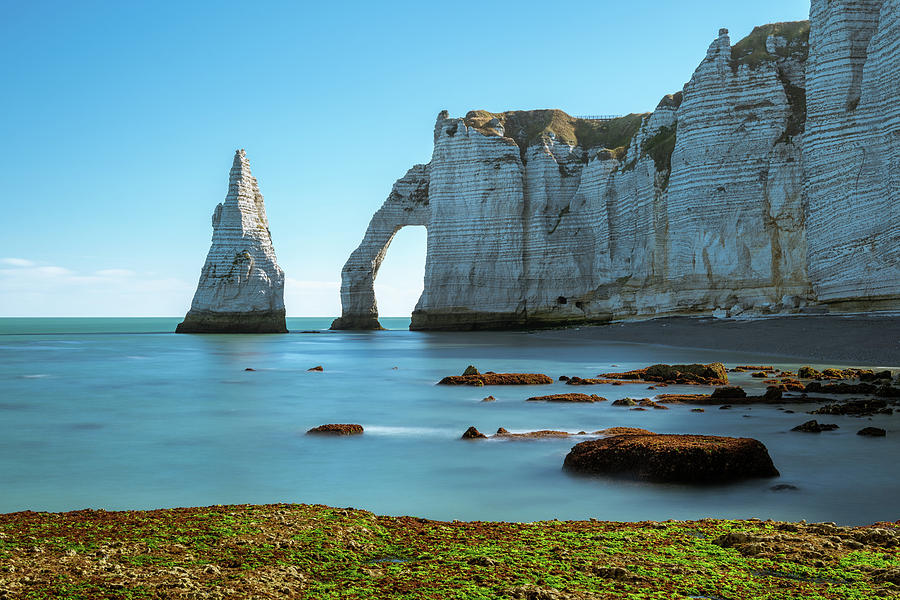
[852, 153]
[722, 200]
[241, 288]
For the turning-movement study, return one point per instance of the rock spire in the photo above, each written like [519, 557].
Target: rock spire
[241, 288]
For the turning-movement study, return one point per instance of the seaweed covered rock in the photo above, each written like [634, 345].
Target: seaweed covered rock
[611, 431]
[729, 392]
[497, 379]
[530, 435]
[675, 458]
[567, 398]
[337, 429]
[709, 374]
[625, 402]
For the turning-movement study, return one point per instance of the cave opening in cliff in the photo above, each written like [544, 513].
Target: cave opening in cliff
[401, 277]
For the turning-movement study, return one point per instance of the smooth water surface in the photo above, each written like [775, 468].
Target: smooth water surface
[122, 414]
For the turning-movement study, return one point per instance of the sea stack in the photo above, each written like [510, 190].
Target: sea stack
[241, 288]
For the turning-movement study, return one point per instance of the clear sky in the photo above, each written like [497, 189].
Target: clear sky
[120, 120]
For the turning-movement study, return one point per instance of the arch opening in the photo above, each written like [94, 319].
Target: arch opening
[400, 279]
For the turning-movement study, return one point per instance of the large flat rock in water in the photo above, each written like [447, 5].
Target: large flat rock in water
[674, 458]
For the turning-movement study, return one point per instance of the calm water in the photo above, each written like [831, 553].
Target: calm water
[120, 413]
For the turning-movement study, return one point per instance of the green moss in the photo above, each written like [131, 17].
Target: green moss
[660, 148]
[751, 50]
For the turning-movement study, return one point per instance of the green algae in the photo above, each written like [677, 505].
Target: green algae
[352, 554]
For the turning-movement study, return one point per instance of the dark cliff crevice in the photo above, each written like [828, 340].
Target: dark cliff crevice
[796, 97]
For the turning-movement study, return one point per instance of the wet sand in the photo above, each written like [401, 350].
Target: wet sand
[859, 340]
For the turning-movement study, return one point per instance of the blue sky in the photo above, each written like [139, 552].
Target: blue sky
[120, 120]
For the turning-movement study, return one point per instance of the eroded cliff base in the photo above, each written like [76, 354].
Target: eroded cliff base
[268, 321]
[357, 322]
[463, 320]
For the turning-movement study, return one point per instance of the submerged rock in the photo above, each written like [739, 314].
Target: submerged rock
[681, 458]
[856, 408]
[815, 427]
[241, 288]
[872, 432]
[317, 368]
[337, 429]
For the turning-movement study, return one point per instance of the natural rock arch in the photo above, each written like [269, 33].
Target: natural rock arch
[406, 205]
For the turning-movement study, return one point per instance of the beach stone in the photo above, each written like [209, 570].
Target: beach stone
[489, 399]
[815, 427]
[337, 429]
[697, 410]
[676, 458]
[249, 369]
[872, 432]
[567, 398]
[473, 434]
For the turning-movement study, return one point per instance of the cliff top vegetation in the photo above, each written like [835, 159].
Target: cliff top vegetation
[752, 51]
[527, 127]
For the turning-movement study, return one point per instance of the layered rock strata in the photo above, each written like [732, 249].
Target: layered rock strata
[241, 288]
[726, 199]
[852, 152]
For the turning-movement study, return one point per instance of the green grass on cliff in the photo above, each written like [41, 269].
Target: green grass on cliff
[322, 553]
[751, 50]
[527, 127]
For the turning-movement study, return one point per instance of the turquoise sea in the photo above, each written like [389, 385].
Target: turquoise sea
[124, 414]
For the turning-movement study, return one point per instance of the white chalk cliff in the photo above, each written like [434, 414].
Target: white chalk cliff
[768, 184]
[241, 288]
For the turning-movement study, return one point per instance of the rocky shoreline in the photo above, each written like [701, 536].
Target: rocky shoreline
[319, 552]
